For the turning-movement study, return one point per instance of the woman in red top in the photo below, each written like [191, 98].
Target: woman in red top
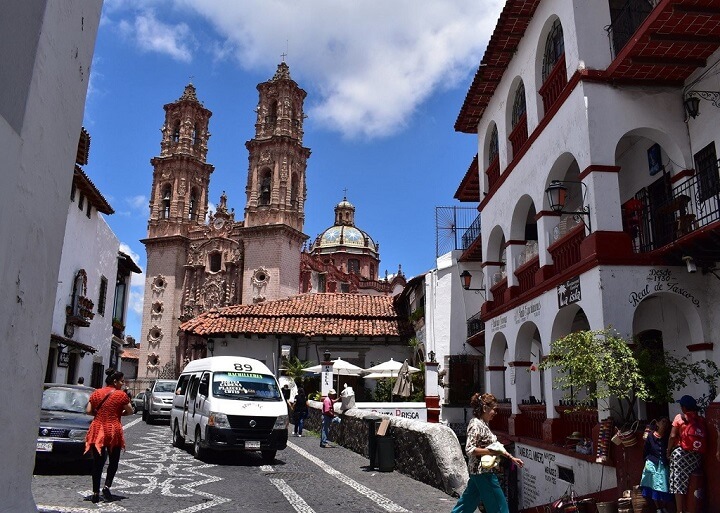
[105, 436]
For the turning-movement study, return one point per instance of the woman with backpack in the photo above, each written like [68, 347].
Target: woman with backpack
[685, 449]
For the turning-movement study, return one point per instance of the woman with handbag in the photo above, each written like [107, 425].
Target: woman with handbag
[483, 449]
[105, 436]
[654, 483]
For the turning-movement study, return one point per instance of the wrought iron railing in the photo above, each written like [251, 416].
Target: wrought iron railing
[475, 325]
[658, 220]
[626, 20]
[471, 234]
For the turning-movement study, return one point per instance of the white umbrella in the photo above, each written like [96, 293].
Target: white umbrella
[389, 369]
[340, 368]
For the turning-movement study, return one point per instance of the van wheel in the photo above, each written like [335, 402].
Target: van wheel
[198, 450]
[177, 439]
[269, 456]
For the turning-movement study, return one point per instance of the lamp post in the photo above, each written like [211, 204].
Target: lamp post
[557, 193]
[466, 279]
[211, 346]
[692, 101]
[326, 356]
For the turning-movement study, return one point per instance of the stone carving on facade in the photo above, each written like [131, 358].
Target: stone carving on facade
[284, 169]
[155, 335]
[159, 283]
[153, 362]
[194, 254]
[214, 291]
[265, 156]
[157, 309]
[182, 188]
[259, 280]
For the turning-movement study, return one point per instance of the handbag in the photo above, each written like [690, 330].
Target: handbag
[490, 460]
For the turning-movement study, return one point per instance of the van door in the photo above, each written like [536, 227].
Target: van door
[179, 400]
[198, 410]
[188, 418]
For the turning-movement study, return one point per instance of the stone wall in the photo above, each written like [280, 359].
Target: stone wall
[429, 453]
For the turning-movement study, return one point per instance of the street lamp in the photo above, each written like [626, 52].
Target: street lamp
[326, 355]
[692, 101]
[211, 346]
[466, 279]
[557, 197]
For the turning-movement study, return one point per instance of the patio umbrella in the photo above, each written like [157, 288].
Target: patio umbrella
[340, 368]
[403, 385]
[389, 369]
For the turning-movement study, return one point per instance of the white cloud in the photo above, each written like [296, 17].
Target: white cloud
[139, 202]
[125, 248]
[373, 62]
[152, 35]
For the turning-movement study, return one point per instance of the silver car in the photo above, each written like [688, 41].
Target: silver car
[159, 400]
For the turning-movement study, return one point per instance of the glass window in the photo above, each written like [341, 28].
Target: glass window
[102, 298]
[245, 385]
[554, 49]
[518, 105]
[706, 165]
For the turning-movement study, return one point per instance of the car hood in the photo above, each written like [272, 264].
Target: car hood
[64, 419]
[164, 395]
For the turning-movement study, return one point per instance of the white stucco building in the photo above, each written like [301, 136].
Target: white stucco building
[594, 95]
[44, 70]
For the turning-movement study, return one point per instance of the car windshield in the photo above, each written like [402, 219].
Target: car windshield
[245, 385]
[65, 399]
[165, 386]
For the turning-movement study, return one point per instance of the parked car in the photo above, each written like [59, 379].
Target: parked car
[63, 423]
[159, 400]
[138, 402]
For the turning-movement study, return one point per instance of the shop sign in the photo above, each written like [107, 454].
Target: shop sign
[63, 359]
[498, 323]
[569, 292]
[523, 312]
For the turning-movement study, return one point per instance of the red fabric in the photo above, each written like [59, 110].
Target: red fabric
[106, 429]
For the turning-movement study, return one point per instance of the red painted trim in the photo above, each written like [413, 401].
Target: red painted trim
[496, 368]
[703, 346]
[489, 262]
[685, 173]
[598, 168]
[515, 241]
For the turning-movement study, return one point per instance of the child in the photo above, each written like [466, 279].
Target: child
[655, 476]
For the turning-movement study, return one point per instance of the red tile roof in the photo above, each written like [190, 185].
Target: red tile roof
[307, 315]
[130, 353]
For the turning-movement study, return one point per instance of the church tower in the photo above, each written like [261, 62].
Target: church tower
[178, 206]
[275, 191]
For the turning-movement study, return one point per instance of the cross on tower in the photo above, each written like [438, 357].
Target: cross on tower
[283, 55]
[345, 192]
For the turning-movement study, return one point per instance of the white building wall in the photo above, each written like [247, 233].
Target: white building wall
[44, 72]
[89, 244]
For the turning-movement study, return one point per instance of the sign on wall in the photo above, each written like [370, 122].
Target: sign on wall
[661, 280]
[569, 292]
[63, 359]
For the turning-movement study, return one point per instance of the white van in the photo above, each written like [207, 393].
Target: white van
[229, 402]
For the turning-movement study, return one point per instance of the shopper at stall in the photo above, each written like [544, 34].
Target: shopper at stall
[685, 449]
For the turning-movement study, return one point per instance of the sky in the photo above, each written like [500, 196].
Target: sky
[385, 82]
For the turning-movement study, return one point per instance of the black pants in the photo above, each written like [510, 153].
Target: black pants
[98, 464]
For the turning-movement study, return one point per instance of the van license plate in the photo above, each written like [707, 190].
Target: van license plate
[252, 445]
[44, 447]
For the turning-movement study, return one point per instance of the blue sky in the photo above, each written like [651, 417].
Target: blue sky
[385, 83]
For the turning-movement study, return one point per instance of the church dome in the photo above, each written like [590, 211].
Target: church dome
[341, 235]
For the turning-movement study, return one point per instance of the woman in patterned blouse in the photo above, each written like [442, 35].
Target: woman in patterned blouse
[483, 485]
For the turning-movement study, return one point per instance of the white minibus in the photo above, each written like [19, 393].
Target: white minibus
[229, 403]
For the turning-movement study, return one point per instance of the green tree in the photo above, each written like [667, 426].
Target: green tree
[602, 364]
[295, 368]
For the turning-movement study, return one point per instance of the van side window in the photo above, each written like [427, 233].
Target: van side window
[194, 381]
[205, 384]
[182, 384]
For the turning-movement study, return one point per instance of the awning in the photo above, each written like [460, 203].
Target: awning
[72, 343]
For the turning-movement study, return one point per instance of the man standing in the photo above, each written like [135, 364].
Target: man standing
[328, 416]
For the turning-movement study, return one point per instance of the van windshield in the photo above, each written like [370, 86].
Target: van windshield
[245, 385]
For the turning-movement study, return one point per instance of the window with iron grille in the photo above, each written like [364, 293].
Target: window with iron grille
[518, 105]
[554, 48]
[102, 298]
[706, 166]
[493, 149]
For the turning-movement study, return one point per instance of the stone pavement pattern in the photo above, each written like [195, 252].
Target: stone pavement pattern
[155, 477]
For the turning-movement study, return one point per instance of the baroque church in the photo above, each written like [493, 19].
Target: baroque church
[198, 261]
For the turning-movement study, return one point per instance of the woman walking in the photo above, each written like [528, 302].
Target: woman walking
[685, 448]
[483, 485]
[300, 411]
[105, 436]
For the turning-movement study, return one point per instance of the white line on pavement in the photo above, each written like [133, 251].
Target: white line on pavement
[131, 424]
[266, 468]
[292, 497]
[378, 499]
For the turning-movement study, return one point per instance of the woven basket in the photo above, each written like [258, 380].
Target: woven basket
[628, 438]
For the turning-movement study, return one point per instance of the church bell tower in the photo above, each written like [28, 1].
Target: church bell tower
[276, 177]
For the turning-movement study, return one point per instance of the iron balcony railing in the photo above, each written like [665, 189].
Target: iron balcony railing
[663, 218]
[475, 325]
[471, 234]
[626, 20]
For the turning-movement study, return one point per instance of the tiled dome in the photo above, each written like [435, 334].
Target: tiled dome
[348, 236]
